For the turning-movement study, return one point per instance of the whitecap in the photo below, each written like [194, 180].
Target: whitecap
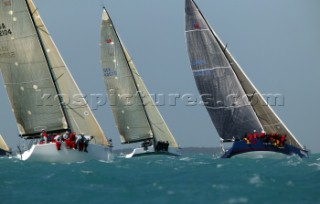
[106, 161]
[290, 183]
[219, 186]
[293, 163]
[49, 176]
[219, 166]
[185, 159]
[238, 200]
[255, 180]
[316, 165]
[87, 172]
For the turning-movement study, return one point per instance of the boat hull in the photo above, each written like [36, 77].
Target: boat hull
[258, 149]
[49, 153]
[3, 153]
[150, 150]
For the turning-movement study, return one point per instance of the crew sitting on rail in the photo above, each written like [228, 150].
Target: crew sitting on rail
[255, 134]
[82, 142]
[262, 134]
[274, 139]
[282, 140]
[58, 140]
[79, 142]
[248, 138]
[65, 136]
[44, 136]
[145, 144]
[86, 141]
[162, 146]
[252, 138]
[70, 142]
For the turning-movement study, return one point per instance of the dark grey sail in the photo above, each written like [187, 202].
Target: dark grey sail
[199, 33]
[41, 90]
[226, 102]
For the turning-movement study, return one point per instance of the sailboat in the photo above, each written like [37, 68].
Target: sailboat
[235, 106]
[136, 116]
[4, 149]
[42, 93]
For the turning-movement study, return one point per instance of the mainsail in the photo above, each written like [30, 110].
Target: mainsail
[235, 106]
[136, 115]
[41, 90]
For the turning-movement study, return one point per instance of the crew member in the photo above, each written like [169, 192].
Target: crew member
[44, 136]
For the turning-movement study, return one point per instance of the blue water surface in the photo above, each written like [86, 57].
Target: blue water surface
[191, 178]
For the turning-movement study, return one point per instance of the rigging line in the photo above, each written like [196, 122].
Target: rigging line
[56, 79]
[74, 110]
[262, 118]
[225, 48]
[250, 98]
[34, 11]
[42, 28]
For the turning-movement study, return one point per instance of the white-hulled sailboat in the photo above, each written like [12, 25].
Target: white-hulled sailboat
[136, 116]
[41, 90]
[235, 106]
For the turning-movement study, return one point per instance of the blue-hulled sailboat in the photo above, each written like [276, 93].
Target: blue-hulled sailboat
[235, 106]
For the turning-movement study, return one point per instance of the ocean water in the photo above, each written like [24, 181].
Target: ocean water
[191, 178]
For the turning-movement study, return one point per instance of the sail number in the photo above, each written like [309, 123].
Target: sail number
[109, 72]
[4, 31]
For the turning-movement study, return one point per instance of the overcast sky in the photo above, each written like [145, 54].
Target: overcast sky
[277, 43]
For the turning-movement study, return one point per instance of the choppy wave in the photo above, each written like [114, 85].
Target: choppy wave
[199, 178]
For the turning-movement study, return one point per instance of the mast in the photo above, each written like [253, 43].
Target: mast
[134, 80]
[48, 62]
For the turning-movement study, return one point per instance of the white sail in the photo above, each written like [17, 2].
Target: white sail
[268, 118]
[36, 77]
[26, 73]
[123, 95]
[136, 116]
[3, 145]
[79, 115]
[160, 129]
